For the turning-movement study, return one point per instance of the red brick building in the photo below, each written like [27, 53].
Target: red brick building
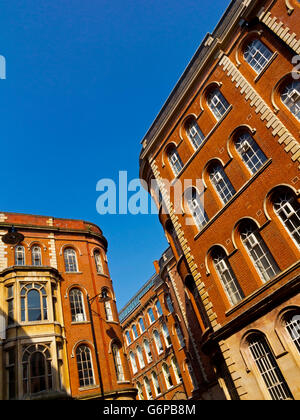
[232, 121]
[49, 280]
[162, 338]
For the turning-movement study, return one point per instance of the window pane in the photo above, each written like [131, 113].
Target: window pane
[257, 55]
[291, 98]
[252, 155]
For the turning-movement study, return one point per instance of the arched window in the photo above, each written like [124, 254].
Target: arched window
[147, 351]
[85, 366]
[142, 325]
[133, 362]
[259, 253]
[167, 375]
[158, 343]
[158, 308]
[33, 303]
[19, 255]
[290, 97]
[268, 368]
[194, 134]
[140, 391]
[176, 370]
[196, 207]
[169, 304]
[148, 388]
[77, 306]
[287, 209]
[217, 103]
[179, 334]
[166, 335]
[70, 260]
[37, 369]
[108, 311]
[135, 331]
[151, 315]
[172, 232]
[257, 55]
[118, 363]
[252, 156]
[175, 160]
[156, 384]
[292, 326]
[221, 183]
[98, 262]
[128, 338]
[140, 357]
[227, 276]
[36, 255]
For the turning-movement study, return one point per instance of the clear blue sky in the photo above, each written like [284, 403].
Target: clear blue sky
[85, 80]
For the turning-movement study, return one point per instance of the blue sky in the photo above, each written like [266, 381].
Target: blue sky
[85, 80]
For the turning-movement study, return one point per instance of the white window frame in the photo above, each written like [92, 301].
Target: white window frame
[253, 157]
[257, 55]
[217, 104]
[195, 134]
[175, 161]
[290, 97]
[221, 183]
[289, 218]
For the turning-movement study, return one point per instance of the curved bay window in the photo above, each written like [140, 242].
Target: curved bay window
[33, 303]
[37, 370]
[268, 368]
[287, 209]
[227, 276]
[70, 260]
[85, 366]
[77, 306]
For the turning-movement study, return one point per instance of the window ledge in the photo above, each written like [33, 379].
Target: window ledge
[80, 322]
[123, 382]
[73, 272]
[87, 388]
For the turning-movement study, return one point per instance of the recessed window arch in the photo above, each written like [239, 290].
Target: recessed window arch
[36, 255]
[291, 322]
[156, 384]
[85, 366]
[140, 391]
[158, 308]
[70, 260]
[133, 362]
[194, 133]
[148, 388]
[195, 204]
[257, 55]
[179, 335]
[128, 337]
[148, 351]
[98, 261]
[226, 275]
[174, 159]
[118, 362]
[134, 331]
[267, 367]
[290, 97]
[19, 255]
[217, 103]
[169, 303]
[167, 375]
[169, 227]
[176, 370]
[220, 182]
[166, 334]
[158, 343]
[151, 316]
[77, 305]
[108, 311]
[142, 325]
[140, 357]
[249, 151]
[258, 251]
[33, 303]
[287, 208]
[37, 369]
